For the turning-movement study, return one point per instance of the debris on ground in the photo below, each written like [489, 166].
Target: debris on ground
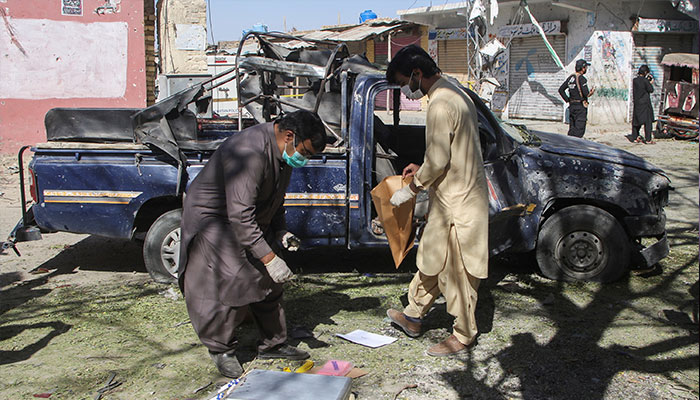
[411, 386]
[300, 332]
[181, 323]
[265, 384]
[199, 389]
[367, 339]
[109, 385]
[335, 368]
[171, 294]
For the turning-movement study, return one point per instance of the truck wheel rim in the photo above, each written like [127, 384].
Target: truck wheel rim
[581, 253]
[170, 251]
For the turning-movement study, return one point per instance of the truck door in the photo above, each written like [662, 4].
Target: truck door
[315, 203]
[507, 202]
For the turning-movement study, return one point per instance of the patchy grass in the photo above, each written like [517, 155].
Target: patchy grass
[96, 313]
[592, 340]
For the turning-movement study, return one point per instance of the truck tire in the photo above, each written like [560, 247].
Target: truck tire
[585, 243]
[161, 248]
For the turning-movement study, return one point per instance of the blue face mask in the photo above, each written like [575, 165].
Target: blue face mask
[296, 160]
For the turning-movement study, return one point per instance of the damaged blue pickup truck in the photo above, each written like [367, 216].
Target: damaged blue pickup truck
[587, 211]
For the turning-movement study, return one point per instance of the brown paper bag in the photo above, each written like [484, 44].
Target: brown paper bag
[397, 221]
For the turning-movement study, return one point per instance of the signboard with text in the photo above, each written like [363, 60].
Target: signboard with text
[71, 7]
[666, 26]
[524, 30]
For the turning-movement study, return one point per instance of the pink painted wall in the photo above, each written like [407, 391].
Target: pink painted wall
[52, 60]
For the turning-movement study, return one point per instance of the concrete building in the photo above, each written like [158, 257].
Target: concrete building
[69, 53]
[182, 36]
[616, 37]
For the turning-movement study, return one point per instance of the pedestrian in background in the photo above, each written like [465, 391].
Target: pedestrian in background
[577, 97]
[643, 114]
[453, 251]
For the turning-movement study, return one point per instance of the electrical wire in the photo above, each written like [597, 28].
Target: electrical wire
[613, 14]
[211, 23]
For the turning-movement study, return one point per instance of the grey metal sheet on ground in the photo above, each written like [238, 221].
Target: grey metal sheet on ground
[275, 385]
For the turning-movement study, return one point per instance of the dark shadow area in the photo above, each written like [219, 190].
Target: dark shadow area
[306, 313]
[340, 259]
[537, 87]
[9, 331]
[574, 358]
[8, 278]
[96, 253]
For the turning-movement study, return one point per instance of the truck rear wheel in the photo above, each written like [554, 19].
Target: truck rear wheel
[161, 248]
[584, 243]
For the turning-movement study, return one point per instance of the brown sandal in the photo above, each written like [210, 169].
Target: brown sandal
[639, 140]
[650, 142]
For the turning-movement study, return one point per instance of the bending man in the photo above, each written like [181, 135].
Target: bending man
[231, 220]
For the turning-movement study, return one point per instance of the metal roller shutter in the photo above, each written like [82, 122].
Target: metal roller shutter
[649, 49]
[535, 78]
[452, 56]
[398, 42]
[381, 51]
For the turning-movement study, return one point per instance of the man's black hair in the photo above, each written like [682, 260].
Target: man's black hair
[643, 70]
[408, 59]
[305, 125]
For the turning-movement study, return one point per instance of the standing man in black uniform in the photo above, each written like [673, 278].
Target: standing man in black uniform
[577, 98]
[643, 113]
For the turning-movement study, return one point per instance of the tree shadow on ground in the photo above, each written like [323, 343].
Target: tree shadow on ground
[9, 331]
[96, 253]
[575, 362]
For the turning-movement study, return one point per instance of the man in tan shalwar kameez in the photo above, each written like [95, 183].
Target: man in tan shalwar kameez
[453, 251]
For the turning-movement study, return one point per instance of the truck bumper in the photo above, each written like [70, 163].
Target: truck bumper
[649, 226]
[646, 225]
[22, 232]
[654, 253]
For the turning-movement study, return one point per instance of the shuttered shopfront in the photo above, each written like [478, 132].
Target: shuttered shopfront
[398, 42]
[535, 78]
[381, 51]
[649, 49]
[452, 56]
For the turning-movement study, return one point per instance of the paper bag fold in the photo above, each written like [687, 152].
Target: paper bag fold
[397, 221]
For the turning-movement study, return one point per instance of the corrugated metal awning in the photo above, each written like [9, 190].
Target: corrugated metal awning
[681, 59]
[357, 33]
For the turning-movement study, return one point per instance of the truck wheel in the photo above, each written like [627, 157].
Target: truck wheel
[161, 248]
[585, 243]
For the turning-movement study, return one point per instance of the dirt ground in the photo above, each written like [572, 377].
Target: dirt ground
[75, 309]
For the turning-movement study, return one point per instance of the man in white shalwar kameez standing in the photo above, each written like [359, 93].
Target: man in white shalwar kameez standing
[453, 251]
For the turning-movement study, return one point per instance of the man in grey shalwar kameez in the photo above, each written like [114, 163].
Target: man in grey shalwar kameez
[232, 218]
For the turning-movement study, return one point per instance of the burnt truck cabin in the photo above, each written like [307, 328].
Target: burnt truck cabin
[587, 211]
[582, 207]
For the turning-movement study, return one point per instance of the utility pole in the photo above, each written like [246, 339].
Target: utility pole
[474, 43]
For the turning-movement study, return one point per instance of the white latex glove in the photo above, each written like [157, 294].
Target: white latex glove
[401, 196]
[289, 240]
[278, 270]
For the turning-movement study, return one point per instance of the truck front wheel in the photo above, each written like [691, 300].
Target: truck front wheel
[585, 243]
[161, 248]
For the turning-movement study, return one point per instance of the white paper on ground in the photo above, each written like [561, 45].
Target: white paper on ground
[367, 339]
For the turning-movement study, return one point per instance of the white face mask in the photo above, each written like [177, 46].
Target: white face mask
[413, 95]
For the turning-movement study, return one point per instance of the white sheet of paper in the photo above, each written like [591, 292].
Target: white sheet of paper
[367, 339]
